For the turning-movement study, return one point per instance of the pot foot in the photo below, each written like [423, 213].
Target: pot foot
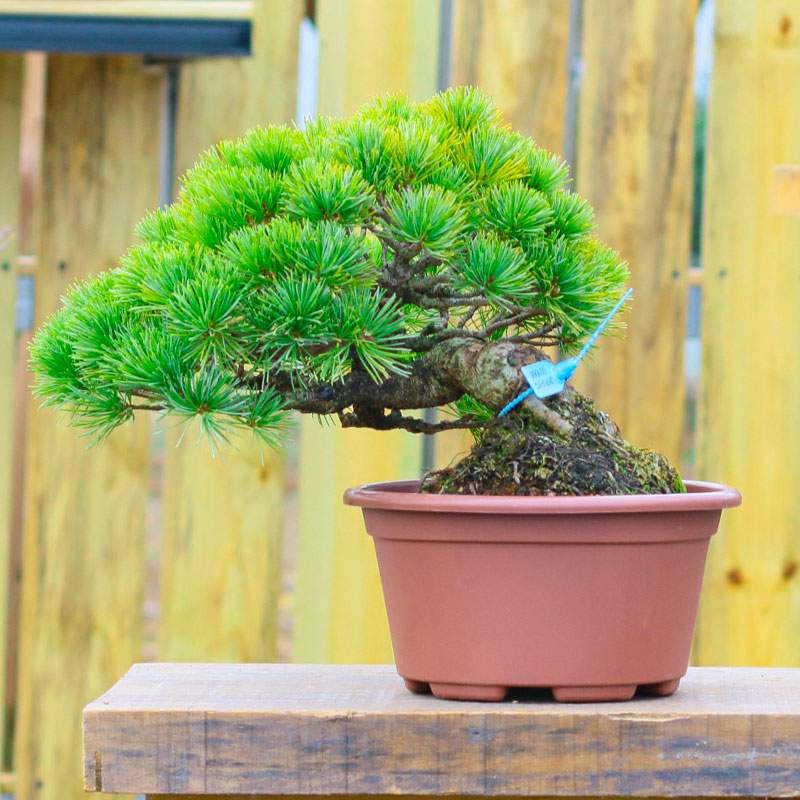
[418, 687]
[660, 689]
[593, 694]
[465, 691]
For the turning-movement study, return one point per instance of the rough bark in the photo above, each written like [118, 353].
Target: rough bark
[561, 445]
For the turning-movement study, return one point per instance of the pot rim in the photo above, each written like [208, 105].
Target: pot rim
[402, 496]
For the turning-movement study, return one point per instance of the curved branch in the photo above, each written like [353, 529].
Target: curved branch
[428, 340]
[397, 421]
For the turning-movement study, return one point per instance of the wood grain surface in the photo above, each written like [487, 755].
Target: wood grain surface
[11, 82]
[634, 165]
[187, 9]
[84, 510]
[354, 730]
[516, 51]
[748, 420]
[222, 518]
[366, 49]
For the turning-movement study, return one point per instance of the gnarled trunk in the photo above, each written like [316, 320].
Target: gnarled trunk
[561, 445]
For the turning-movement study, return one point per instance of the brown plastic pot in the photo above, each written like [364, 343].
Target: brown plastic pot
[594, 597]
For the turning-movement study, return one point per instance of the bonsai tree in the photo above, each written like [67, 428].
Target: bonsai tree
[414, 256]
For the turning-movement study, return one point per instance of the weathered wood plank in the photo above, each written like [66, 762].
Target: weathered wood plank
[220, 561]
[30, 158]
[11, 80]
[188, 9]
[366, 48]
[84, 525]
[369, 48]
[339, 612]
[352, 796]
[634, 164]
[222, 516]
[516, 51]
[786, 190]
[223, 98]
[353, 730]
[748, 423]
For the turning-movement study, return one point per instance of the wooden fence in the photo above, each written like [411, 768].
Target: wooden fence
[218, 552]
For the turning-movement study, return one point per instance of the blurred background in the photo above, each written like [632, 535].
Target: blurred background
[681, 123]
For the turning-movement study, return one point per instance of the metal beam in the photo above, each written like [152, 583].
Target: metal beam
[153, 36]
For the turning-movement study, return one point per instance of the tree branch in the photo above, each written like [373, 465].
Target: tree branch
[427, 340]
[467, 317]
[537, 335]
[431, 300]
[507, 322]
[397, 421]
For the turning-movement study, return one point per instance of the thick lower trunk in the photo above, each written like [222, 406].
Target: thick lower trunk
[560, 445]
[490, 372]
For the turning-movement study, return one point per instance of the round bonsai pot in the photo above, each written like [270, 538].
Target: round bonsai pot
[593, 597]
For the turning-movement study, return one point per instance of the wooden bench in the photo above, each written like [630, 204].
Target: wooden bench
[273, 729]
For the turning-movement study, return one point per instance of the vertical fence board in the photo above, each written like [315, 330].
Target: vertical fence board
[31, 131]
[515, 51]
[221, 98]
[220, 578]
[634, 164]
[11, 76]
[749, 425]
[220, 564]
[84, 531]
[366, 49]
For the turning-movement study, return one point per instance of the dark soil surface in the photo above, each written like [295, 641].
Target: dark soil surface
[520, 455]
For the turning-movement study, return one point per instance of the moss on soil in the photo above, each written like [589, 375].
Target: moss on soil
[519, 455]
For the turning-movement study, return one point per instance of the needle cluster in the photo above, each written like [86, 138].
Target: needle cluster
[321, 270]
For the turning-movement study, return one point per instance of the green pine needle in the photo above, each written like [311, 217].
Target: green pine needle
[516, 211]
[428, 216]
[495, 269]
[317, 191]
[293, 259]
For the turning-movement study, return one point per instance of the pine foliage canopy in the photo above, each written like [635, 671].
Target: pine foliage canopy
[292, 259]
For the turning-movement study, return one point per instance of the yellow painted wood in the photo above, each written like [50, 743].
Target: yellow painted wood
[220, 567]
[786, 189]
[749, 425]
[366, 49]
[221, 98]
[339, 613]
[11, 80]
[517, 52]
[369, 48]
[189, 9]
[634, 165]
[84, 529]
[220, 579]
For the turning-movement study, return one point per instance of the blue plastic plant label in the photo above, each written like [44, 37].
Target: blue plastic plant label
[544, 378]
